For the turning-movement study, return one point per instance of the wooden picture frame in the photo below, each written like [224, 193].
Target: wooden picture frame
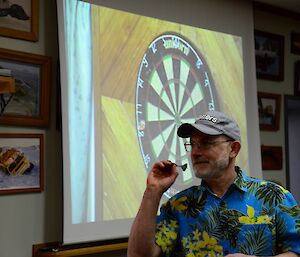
[20, 19]
[269, 55]
[28, 103]
[269, 111]
[271, 157]
[295, 43]
[21, 163]
[297, 79]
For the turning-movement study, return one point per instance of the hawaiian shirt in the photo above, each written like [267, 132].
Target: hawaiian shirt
[254, 217]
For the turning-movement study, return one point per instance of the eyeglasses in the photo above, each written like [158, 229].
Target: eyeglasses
[203, 145]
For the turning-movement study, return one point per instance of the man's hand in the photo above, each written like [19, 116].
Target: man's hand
[162, 175]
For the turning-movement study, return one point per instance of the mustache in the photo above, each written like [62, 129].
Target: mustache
[199, 160]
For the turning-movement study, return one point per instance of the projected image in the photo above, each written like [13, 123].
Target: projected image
[132, 80]
[174, 86]
[151, 75]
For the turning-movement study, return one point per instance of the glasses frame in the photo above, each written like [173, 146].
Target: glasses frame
[204, 145]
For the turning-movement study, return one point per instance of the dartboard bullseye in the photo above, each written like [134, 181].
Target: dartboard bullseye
[174, 85]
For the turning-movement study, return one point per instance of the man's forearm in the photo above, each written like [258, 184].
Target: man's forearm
[141, 240]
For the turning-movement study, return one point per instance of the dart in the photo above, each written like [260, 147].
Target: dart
[183, 167]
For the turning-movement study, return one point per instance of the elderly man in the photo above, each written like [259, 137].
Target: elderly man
[228, 214]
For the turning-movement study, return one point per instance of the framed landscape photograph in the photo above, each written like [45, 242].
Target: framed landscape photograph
[26, 101]
[269, 55]
[269, 111]
[21, 163]
[19, 19]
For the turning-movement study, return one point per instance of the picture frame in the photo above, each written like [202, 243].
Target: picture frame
[297, 79]
[28, 104]
[21, 163]
[20, 19]
[269, 55]
[295, 43]
[271, 157]
[269, 111]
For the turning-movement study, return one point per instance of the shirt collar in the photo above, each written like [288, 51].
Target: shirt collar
[239, 181]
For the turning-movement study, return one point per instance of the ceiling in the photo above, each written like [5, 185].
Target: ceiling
[290, 5]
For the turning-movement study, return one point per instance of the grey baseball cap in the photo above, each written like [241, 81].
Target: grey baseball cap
[211, 123]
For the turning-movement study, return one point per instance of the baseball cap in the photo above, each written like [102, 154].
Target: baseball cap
[211, 123]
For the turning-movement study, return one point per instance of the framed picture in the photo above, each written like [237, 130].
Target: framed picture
[297, 79]
[269, 111]
[271, 157]
[269, 55]
[21, 163]
[295, 43]
[26, 102]
[19, 19]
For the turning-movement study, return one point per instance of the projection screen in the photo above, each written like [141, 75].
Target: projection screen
[127, 82]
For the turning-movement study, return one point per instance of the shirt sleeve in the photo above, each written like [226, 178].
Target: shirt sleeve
[166, 230]
[288, 225]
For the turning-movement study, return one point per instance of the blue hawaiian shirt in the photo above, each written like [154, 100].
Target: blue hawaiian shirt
[254, 217]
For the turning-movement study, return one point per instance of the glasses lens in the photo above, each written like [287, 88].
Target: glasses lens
[203, 145]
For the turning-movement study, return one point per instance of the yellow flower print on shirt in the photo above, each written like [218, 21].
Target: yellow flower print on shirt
[210, 243]
[201, 245]
[178, 204]
[284, 190]
[251, 219]
[196, 234]
[166, 234]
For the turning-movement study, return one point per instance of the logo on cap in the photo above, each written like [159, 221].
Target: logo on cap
[208, 117]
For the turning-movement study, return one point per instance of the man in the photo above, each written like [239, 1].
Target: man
[229, 214]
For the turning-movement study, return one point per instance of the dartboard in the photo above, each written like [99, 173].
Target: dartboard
[174, 85]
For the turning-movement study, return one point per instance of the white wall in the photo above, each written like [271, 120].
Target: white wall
[282, 25]
[27, 219]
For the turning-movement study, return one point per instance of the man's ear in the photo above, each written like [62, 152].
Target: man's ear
[235, 148]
